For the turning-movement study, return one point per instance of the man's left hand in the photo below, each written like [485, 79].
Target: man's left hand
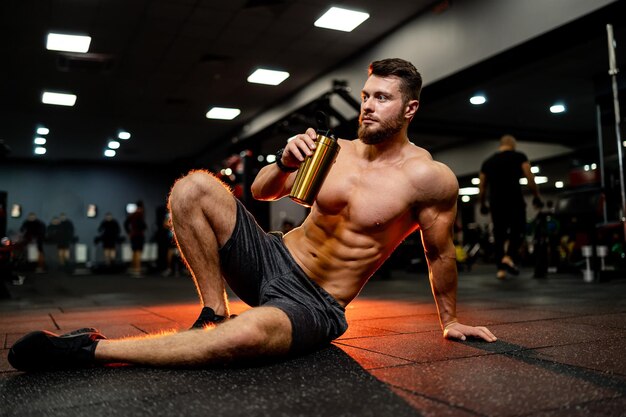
[461, 331]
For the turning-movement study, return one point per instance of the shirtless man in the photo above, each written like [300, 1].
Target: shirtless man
[381, 189]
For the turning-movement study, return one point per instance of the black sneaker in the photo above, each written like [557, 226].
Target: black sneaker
[43, 350]
[207, 317]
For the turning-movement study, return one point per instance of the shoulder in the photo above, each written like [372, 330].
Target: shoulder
[487, 163]
[521, 156]
[432, 180]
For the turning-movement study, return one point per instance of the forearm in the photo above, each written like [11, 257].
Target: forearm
[271, 183]
[533, 187]
[443, 280]
[482, 187]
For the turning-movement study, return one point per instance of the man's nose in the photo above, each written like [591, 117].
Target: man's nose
[367, 106]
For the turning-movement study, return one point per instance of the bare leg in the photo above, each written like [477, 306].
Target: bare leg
[41, 261]
[109, 256]
[203, 217]
[136, 262]
[257, 333]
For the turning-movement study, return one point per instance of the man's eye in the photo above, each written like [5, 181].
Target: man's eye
[382, 98]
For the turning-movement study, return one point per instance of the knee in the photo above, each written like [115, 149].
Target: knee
[250, 338]
[255, 341]
[190, 189]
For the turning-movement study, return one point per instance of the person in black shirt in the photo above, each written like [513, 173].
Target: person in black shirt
[501, 173]
[65, 238]
[135, 226]
[109, 234]
[33, 230]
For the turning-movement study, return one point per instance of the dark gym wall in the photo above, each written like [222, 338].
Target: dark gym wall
[50, 189]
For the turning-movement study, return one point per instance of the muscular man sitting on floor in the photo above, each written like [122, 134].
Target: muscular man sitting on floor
[381, 189]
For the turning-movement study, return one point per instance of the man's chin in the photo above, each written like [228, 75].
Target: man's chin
[372, 139]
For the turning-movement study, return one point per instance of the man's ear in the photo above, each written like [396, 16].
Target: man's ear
[411, 108]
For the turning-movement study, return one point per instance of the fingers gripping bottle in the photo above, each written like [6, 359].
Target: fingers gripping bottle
[315, 168]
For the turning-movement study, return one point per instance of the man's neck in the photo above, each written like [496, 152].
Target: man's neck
[390, 148]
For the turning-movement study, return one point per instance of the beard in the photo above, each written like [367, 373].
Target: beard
[372, 135]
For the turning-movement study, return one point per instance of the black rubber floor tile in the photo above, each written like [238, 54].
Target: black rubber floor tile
[546, 333]
[27, 325]
[604, 408]
[365, 308]
[357, 330]
[417, 347]
[403, 324]
[430, 408]
[107, 319]
[617, 320]
[605, 356]
[91, 313]
[509, 315]
[371, 360]
[327, 383]
[502, 385]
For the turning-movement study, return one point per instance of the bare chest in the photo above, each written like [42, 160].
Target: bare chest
[369, 199]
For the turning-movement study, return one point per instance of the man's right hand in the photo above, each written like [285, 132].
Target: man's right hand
[299, 147]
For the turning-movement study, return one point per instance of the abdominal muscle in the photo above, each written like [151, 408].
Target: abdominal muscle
[339, 258]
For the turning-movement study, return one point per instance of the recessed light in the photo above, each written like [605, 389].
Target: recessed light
[68, 43]
[534, 169]
[557, 108]
[222, 113]
[113, 144]
[475, 181]
[341, 19]
[478, 99]
[558, 184]
[40, 150]
[123, 135]
[40, 141]
[268, 77]
[541, 179]
[109, 153]
[59, 99]
[43, 130]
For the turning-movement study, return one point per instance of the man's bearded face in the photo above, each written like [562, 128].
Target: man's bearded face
[377, 133]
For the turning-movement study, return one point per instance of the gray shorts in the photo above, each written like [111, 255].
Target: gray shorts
[261, 271]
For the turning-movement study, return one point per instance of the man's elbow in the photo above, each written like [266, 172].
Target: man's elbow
[259, 193]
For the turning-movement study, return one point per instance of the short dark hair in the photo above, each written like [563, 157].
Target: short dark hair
[411, 80]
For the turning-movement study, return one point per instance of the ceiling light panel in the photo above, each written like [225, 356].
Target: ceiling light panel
[68, 43]
[344, 20]
[59, 99]
[268, 77]
[222, 113]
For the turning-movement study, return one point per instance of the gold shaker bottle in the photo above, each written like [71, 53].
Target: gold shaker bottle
[314, 169]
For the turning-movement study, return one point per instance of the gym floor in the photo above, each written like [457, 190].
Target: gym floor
[561, 352]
